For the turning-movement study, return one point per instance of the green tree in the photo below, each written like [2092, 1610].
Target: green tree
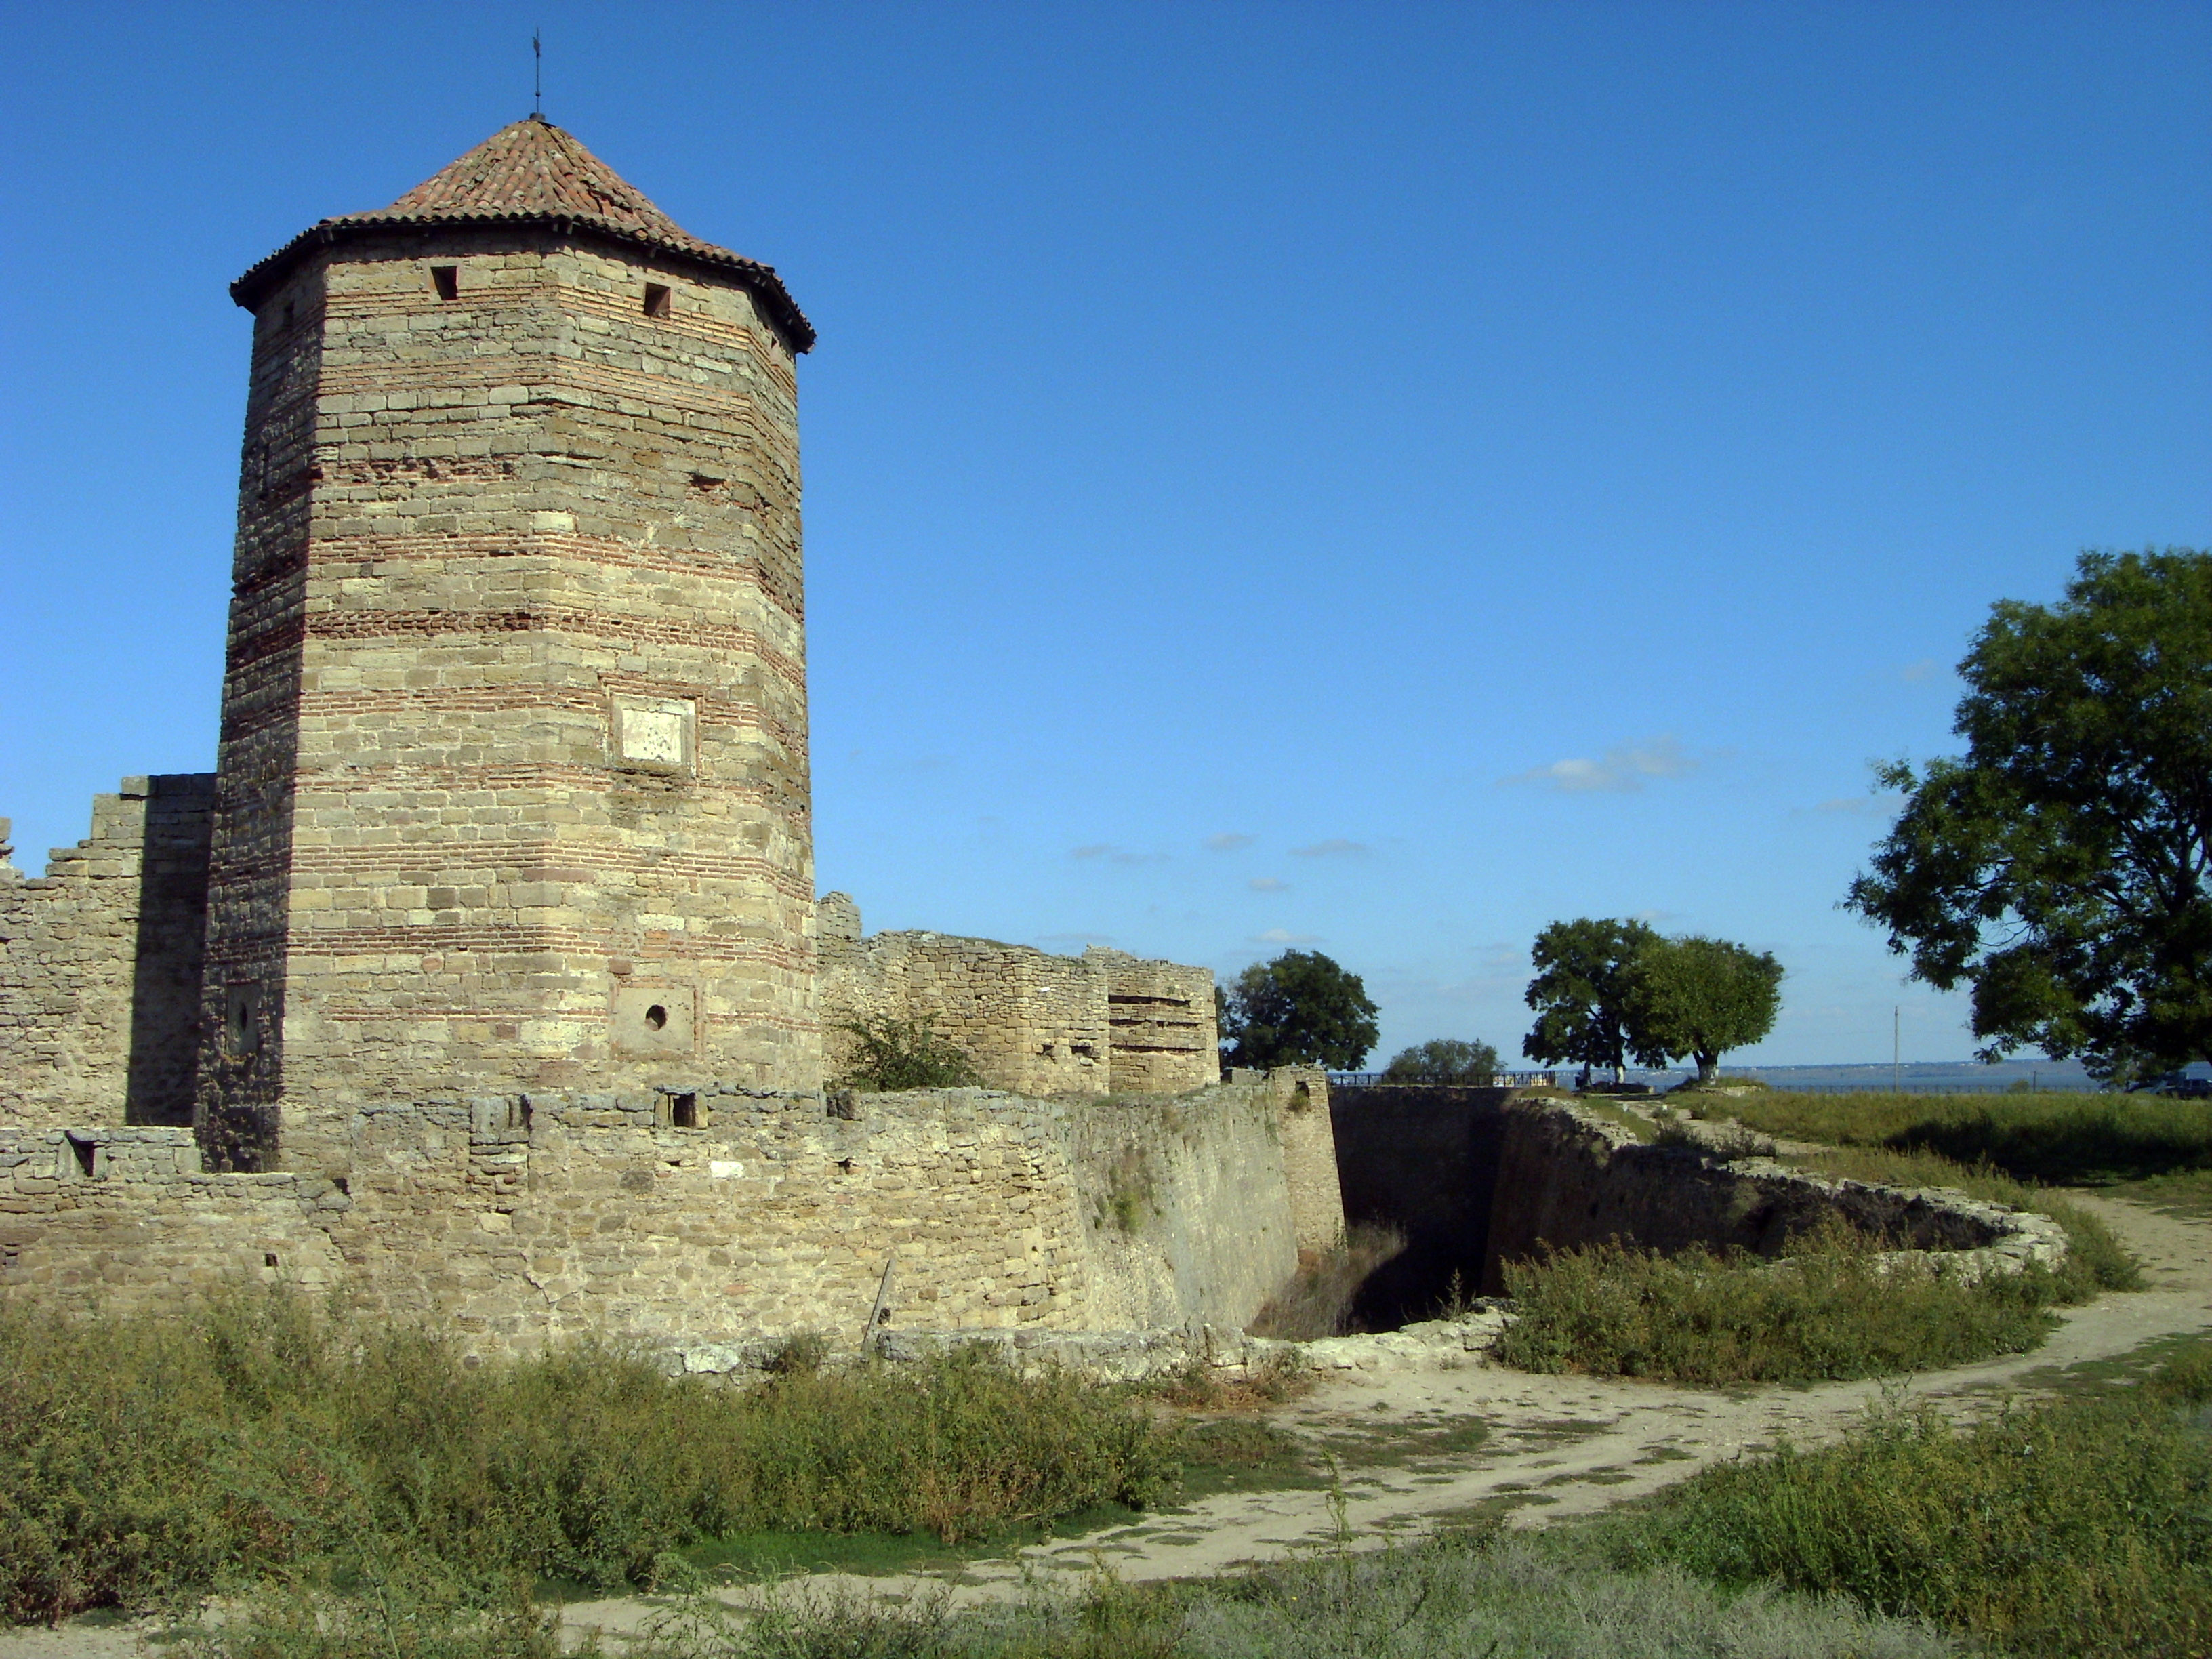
[2059, 867]
[890, 1054]
[1301, 1009]
[1580, 993]
[1701, 997]
[1443, 1060]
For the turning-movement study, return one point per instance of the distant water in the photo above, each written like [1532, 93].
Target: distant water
[1915, 1077]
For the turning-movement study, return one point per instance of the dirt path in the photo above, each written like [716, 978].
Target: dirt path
[1551, 1447]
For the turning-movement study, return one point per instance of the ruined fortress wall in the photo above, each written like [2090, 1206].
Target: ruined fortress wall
[515, 762]
[1102, 1023]
[699, 1223]
[1032, 1022]
[122, 1217]
[1186, 1206]
[100, 963]
[1165, 1031]
[1309, 1171]
[1565, 1179]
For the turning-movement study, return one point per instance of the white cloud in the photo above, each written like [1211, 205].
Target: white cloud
[1078, 940]
[1114, 854]
[1912, 672]
[1284, 936]
[1847, 803]
[1269, 885]
[1229, 841]
[1335, 847]
[1624, 767]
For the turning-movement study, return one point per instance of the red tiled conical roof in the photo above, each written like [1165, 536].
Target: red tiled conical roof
[532, 173]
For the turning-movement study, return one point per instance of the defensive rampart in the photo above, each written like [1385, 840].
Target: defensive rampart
[704, 1224]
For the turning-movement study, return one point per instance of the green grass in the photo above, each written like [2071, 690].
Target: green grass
[147, 1458]
[1828, 1312]
[2071, 1140]
[2079, 1526]
[1477, 1594]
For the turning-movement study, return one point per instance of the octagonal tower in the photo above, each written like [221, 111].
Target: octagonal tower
[513, 775]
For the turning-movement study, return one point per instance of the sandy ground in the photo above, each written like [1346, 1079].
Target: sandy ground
[1554, 1447]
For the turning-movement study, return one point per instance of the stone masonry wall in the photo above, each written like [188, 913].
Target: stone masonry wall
[1566, 1178]
[514, 771]
[1032, 1022]
[1164, 1033]
[1102, 1023]
[1309, 1166]
[698, 1223]
[100, 963]
[1186, 1206]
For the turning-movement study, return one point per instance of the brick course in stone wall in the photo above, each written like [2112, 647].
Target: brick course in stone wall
[513, 763]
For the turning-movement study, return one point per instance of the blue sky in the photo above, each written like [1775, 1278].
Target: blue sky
[1372, 477]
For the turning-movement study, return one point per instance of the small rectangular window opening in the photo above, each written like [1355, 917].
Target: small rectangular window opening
[446, 279]
[87, 1154]
[683, 1111]
[656, 299]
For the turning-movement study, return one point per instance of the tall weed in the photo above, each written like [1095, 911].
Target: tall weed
[142, 1457]
[1318, 1301]
[2079, 1525]
[1832, 1311]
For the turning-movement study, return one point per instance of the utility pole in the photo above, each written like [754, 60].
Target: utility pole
[1896, 1047]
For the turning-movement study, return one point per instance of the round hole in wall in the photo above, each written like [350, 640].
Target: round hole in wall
[655, 1017]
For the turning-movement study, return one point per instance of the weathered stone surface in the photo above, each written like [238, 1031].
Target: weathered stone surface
[513, 748]
[100, 962]
[1102, 1023]
[708, 1221]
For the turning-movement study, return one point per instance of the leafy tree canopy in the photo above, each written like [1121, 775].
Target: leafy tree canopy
[1443, 1060]
[1701, 997]
[1301, 1009]
[1581, 993]
[2059, 867]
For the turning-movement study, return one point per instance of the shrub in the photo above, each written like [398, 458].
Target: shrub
[1446, 1060]
[146, 1456]
[2074, 1527]
[890, 1054]
[1831, 1311]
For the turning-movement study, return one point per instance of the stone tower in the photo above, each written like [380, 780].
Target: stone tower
[513, 776]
